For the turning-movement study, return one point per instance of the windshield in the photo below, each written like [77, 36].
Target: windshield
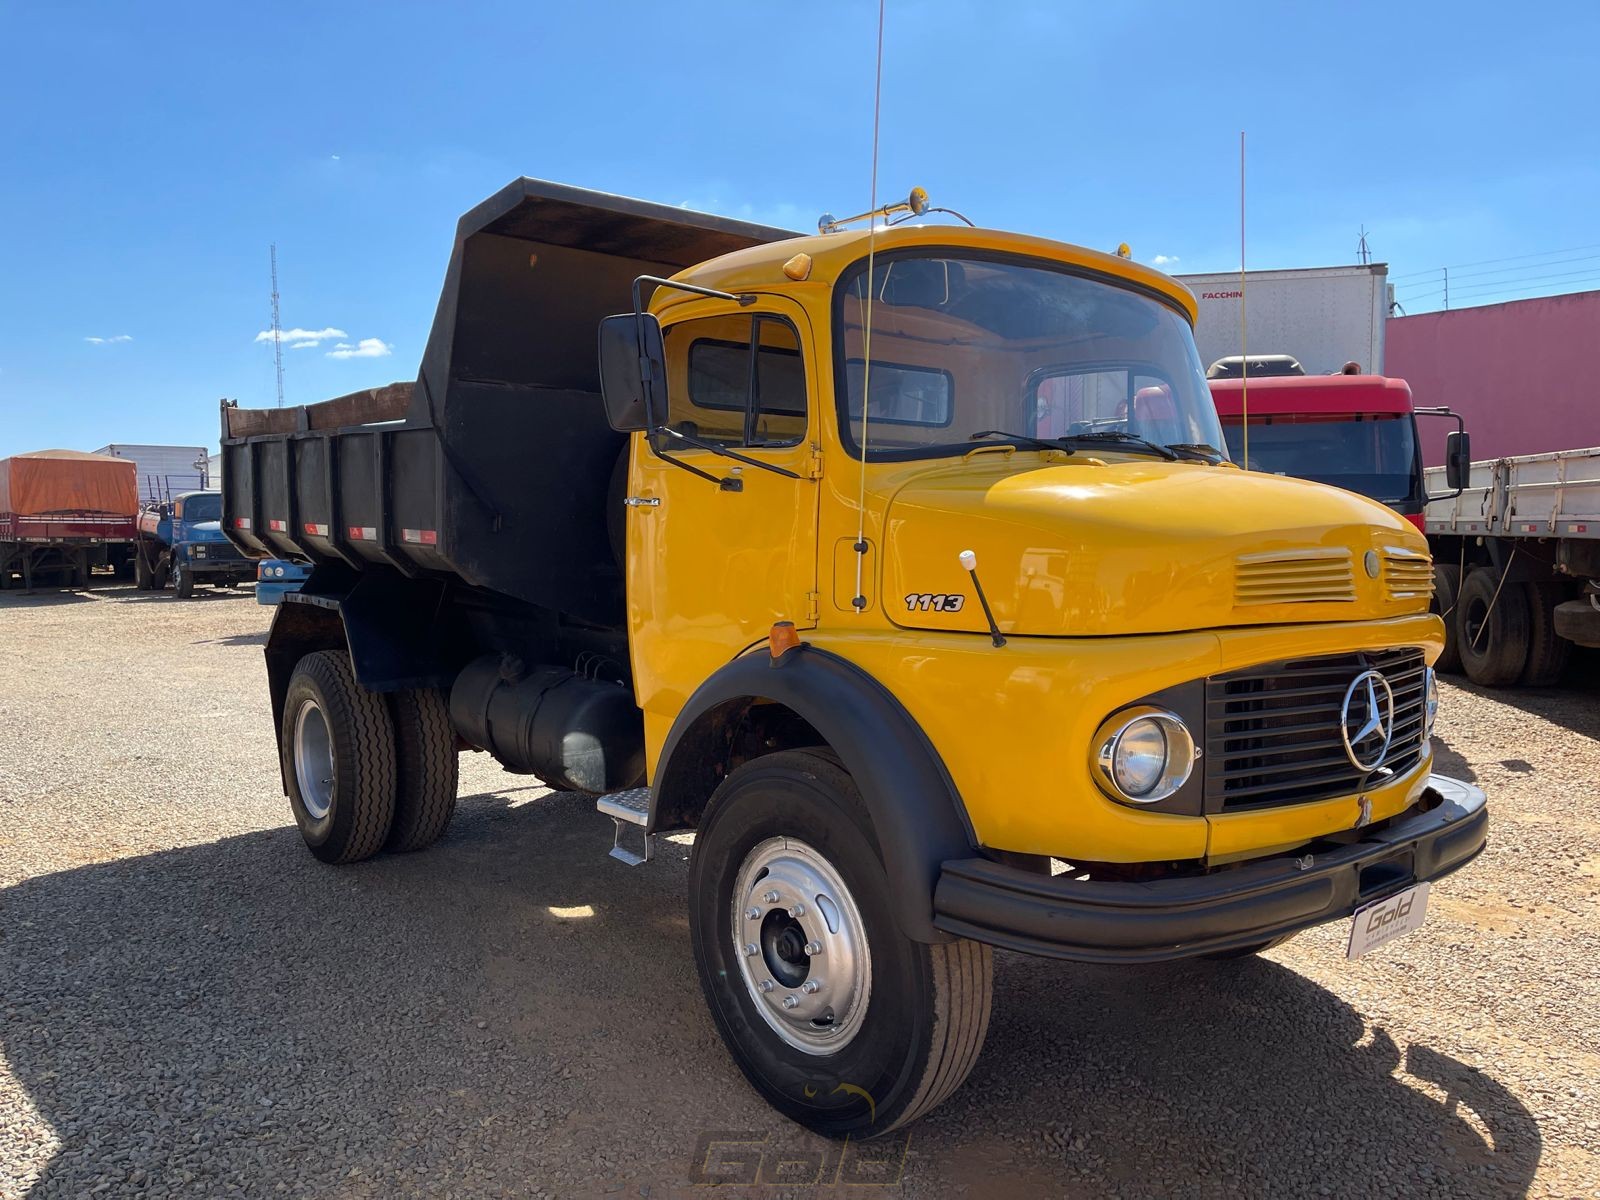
[1374, 454]
[203, 508]
[963, 345]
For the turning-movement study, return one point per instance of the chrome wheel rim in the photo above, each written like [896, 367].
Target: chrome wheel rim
[801, 946]
[313, 760]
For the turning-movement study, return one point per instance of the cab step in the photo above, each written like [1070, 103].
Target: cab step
[629, 808]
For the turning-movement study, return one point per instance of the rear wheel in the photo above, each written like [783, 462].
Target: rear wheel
[1547, 650]
[1492, 628]
[1446, 589]
[338, 749]
[143, 577]
[840, 1021]
[426, 766]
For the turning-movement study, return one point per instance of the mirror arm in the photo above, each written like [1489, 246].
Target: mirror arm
[723, 451]
[743, 299]
[1461, 427]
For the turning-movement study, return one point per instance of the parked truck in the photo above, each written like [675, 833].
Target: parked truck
[63, 513]
[181, 541]
[1518, 552]
[1518, 566]
[902, 566]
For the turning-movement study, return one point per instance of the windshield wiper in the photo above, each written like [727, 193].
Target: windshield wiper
[1204, 451]
[1129, 441]
[1023, 438]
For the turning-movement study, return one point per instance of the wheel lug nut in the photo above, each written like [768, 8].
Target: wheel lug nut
[752, 914]
[767, 985]
[813, 948]
[811, 987]
[791, 1001]
[750, 950]
[771, 897]
[799, 910]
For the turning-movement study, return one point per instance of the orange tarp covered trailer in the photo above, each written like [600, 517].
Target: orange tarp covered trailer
[48, 482]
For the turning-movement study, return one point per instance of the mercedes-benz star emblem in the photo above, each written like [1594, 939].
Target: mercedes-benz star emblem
[1366, 720]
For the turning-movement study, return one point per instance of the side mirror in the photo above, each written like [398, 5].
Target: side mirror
[633, 375]
[1457, 460]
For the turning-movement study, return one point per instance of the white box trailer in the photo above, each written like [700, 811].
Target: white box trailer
[1323, 316]
[165, 471]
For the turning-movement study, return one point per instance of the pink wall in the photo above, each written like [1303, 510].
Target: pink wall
[1525, 375]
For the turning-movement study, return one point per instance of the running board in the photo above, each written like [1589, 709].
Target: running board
[629, 808]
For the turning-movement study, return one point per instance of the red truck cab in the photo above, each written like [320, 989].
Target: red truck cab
[1356, 432]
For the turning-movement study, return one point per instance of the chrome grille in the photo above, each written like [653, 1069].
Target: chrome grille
[1311, 576]
[1407, 576]
[1273, 734]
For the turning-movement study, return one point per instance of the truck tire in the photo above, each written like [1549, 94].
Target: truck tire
[1548, 651]
[338, 749]
[182, 582]
[1492, 631]
[143, 577]
[894, 1026]
[161, 574]
[426, 768]
[1446, 588]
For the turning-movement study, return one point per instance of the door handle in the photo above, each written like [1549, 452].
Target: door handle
[643, 501]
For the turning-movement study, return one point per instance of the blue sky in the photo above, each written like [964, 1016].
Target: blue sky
[151, 153]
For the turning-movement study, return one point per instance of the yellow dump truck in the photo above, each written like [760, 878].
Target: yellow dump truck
[904, 565]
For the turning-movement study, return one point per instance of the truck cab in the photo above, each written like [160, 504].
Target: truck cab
[1356, 432]
[181, 542]
[906, 567]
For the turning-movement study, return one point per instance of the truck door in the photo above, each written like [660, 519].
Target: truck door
[710, 568]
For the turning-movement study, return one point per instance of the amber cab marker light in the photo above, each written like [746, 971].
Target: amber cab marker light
[798, 268]
[783, 638]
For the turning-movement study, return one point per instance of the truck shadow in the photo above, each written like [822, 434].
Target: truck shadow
[514, 1007]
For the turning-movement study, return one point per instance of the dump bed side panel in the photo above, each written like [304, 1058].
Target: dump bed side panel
[497, 465]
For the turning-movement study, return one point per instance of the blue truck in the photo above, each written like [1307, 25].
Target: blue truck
[277, 577]
[180, 541]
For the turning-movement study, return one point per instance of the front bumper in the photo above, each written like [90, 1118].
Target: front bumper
[243, 568]
[1227, 909]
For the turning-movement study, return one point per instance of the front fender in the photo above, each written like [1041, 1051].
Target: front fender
[916, 811]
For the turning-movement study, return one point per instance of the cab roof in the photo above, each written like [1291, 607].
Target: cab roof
[1312, 394]
[761, 266]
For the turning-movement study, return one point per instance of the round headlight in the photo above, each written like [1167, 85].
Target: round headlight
[278, 571]
[1143, 755]
[1430, 702]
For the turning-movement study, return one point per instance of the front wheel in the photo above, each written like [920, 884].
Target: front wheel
[182, 582]
[842, 1022]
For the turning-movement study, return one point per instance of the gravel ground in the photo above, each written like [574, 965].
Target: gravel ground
[190, 1004]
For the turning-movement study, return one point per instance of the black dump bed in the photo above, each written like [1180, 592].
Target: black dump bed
[496, 465]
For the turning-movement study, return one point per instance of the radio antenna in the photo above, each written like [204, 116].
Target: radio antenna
[277, 328]
[859, 600]
[1244, 351]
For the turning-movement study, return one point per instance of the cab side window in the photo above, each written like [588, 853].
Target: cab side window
[737, 380]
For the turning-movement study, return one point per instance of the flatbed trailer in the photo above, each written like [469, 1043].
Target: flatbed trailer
[1517, 564]
[631, 531]
[62, 514]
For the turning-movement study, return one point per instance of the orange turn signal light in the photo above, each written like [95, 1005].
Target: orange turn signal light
[783, 638]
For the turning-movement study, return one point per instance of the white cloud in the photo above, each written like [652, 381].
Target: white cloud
[303, 335]
[109, 341]
[365, 348]
[304, 345]
[1165, 260]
